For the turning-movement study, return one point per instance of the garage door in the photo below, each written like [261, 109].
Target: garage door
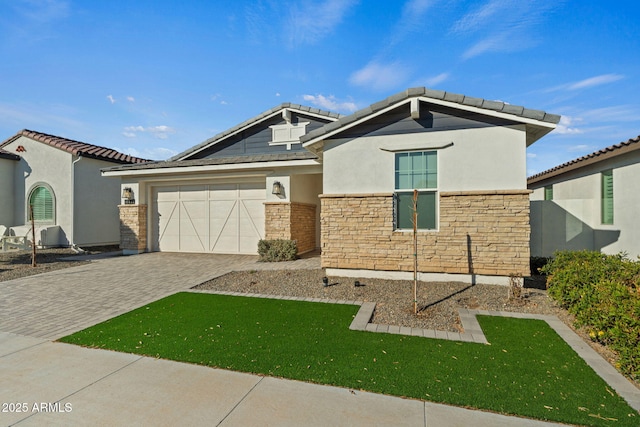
[215, 218]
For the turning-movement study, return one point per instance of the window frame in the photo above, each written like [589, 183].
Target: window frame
[31, 194]
[607, 216]
[421, 191]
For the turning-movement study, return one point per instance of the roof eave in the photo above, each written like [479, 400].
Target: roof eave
[209, 168]
[536, 128]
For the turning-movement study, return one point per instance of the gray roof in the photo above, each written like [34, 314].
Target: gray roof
[632, 144]
[236, 160]
[433, 94]
[252, 121]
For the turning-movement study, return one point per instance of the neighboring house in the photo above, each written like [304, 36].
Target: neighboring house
[588, 203]
[72, 203]
[343, 184]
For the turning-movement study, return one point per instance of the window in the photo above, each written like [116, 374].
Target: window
[607, 197]
[41, 198]
[548, 192]
[416, 170]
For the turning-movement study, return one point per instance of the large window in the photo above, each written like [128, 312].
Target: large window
[607, 197]
[41, 198]
[416, 171]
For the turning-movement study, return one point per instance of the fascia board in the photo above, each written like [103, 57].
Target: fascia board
[453, 105]
[211, 168]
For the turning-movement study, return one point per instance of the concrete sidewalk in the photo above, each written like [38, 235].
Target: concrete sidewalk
[61, 384]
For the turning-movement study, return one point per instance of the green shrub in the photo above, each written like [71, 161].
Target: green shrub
[603, 293]
[277, 250]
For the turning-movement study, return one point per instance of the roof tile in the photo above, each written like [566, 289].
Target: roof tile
[76, 147]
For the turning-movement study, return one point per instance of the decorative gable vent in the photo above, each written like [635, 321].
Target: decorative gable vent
[288, 133]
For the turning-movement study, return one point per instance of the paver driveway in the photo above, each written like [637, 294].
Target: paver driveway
[55, 304]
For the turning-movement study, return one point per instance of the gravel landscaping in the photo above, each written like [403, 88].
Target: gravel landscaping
[438, 302]
[17, 264]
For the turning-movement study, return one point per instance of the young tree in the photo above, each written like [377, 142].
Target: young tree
[414, 220]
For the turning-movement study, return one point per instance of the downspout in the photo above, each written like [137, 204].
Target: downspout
[74, 247]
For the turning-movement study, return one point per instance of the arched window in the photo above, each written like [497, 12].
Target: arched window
[41, 198]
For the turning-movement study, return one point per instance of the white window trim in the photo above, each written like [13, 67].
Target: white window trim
[53, 201]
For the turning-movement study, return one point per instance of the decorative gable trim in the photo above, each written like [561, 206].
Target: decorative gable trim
[288, 133]
[285, 109]
[538, 123]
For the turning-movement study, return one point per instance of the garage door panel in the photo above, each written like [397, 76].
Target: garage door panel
[218, 218]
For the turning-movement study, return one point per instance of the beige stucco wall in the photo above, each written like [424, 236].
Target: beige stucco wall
[96, 201]
[572, 220]
[7, 172]
[85, 202]
[42, 164]
[469, 159]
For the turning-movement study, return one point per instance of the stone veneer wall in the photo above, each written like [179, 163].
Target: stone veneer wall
[133, 227]
[291, 221]
[480, 232]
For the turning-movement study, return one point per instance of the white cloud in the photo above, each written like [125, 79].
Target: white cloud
[475, 20]
[131, 99]
[531, 155]
[579, 148]
[277, 93]
[566, 126]
[161, 132]
[380, 77]
[330, 103]
[42, 11]
[155, 153]
[436, 80]
[111, 99]
[503, 25]
[309, 22]
[595, 81]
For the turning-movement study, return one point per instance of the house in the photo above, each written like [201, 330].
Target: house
[588, 203]
[343, 184]
[72, 203]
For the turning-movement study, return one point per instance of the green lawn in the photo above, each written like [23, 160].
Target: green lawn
[527, 370]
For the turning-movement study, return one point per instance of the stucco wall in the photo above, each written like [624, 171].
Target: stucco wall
[96, 204]
[572, 220]
[469, 159]
[42, 164]
[6, 191]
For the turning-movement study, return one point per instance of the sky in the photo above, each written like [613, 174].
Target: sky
[154, 78]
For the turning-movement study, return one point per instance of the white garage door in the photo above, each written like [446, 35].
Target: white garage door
[215, 218]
